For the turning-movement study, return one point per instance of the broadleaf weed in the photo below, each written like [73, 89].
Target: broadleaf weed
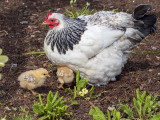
[55, 107]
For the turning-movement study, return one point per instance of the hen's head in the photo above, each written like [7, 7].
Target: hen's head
[54, 20]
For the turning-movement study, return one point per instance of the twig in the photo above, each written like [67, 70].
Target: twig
[91, 104]
[6, 33]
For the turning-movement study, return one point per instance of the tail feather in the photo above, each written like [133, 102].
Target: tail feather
[140, 11]
[144, 21]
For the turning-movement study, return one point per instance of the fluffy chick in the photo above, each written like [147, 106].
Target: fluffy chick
[33, 79]
[65, 75]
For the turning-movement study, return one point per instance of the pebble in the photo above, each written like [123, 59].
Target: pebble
[7, 108]
[154, 48]
[24, 22]
[13, 66]
[58, 9]
[111, 108]
[1, 95]
[32, 36]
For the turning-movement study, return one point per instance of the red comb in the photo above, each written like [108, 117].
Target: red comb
[48, 16]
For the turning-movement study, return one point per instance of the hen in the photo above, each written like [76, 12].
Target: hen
[99, 44]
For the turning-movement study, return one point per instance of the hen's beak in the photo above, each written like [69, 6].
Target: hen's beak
[44, 23]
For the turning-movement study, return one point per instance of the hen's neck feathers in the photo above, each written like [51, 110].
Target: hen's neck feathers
[67, 34]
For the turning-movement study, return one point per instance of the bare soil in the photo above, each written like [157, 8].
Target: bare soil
[21, 32]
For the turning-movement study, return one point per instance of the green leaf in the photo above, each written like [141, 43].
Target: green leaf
[57, 102]
[138, 95]
[74, 102]
[81, 84]
[118, 115]
[55, 97]
[49, 101]
[0, 76]
[77, 77]
[40, 99]
[37, 110]
[75, 92]
[109, 115]
[3, 60]
[68, 89]
[143, 96]
[1, 51]
[146, 105]
[138, 107]
[49, 106]
[155, 117]
[43, 117]
[97, 114]
[2, 64]
[127, 110]
[91, 91]
[96, 96]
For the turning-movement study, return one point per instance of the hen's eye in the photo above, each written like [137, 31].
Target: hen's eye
[52, 20]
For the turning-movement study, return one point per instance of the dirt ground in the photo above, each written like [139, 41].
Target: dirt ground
[22, 32]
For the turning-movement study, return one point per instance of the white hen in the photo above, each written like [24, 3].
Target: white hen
[98, 45]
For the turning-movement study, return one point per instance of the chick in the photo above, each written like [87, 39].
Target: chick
[33, 79]
[65, 75]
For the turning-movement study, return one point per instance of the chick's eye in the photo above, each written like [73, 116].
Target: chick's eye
[44, 74]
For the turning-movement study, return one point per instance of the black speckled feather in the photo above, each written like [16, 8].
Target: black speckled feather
[67, 37]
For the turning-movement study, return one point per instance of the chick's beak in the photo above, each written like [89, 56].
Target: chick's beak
[47, 75]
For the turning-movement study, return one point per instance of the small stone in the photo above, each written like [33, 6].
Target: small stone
[24, 22]
[150, 70]
[154, 48]
[1, 95]
[58, 9]
[75, 5]
[32, 36]
[111, 108]
[13, 66]
[7, 108]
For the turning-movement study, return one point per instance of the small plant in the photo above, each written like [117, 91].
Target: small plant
[126, 109]
[3, 60]
[24, 115]
[144, 106]
[75, 13]
[97, 114]
[80, 84]
[80, 88]
[54, 109]
[115, 115]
